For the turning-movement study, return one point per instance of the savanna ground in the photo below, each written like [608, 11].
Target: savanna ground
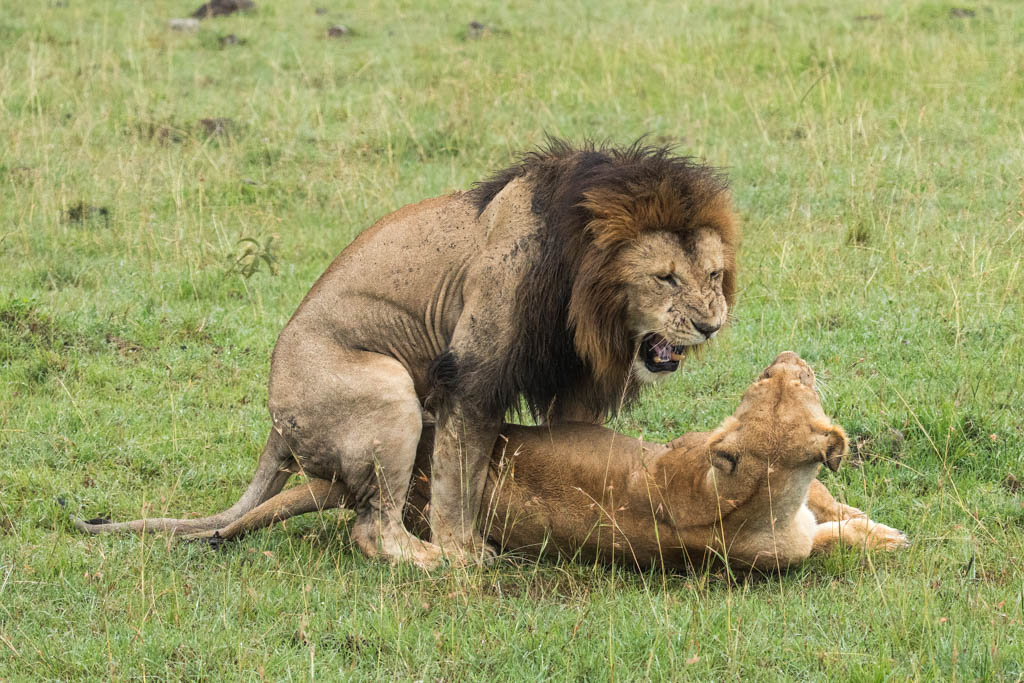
[876, 153]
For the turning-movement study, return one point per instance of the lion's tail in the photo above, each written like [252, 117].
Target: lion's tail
[269, 479]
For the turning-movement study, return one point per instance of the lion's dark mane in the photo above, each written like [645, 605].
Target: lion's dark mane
[571, 188]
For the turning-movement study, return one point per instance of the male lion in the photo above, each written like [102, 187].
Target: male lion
[745, 492]
[564, 281]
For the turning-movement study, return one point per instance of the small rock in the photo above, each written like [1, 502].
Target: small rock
[960, 13]
[338, 30]
[163, 134]
[81, 212]
[187, 24]
[860, 450]
[123, 345]
[216, 126]
[22, 173]
[475, 30]
[220, 8]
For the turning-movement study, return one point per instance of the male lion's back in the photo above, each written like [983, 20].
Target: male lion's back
[398, 289]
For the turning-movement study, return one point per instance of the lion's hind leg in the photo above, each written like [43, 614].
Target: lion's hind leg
[355, 417]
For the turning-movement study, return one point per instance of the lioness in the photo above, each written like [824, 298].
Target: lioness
[745, 492]
[565, 281]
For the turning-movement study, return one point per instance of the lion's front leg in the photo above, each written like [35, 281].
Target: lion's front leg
[462, 451]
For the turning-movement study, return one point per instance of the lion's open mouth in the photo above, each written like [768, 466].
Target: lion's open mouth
[658, 354]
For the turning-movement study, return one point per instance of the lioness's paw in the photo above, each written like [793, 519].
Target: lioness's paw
[847, 512]
[882, 537]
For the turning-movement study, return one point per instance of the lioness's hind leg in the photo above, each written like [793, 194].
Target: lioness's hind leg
[270, 477]
[313, 495]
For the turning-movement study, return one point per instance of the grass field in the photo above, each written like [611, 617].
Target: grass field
[876, 152]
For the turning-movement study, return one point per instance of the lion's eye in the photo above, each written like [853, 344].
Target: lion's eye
[669, 278]
[716, 275]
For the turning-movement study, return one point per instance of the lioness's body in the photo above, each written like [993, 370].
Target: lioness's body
[585, 490]
[564, 282]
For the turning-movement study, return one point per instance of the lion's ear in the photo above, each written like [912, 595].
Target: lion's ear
[835, 447]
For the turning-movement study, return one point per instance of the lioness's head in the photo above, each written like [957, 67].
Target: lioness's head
[779, 424]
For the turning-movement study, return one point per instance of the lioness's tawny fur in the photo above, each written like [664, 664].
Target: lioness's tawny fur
[745, 492]
[565, 281]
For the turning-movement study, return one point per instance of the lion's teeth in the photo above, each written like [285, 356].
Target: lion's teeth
[676, 356]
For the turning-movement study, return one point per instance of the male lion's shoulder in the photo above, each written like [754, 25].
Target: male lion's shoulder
[509, 214]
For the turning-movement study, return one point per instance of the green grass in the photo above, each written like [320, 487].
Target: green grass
[876, 153]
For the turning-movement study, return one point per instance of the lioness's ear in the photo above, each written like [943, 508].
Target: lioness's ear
[835, 447]
[723, 461]
[720, 447]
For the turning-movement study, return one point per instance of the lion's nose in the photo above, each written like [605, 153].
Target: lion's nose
[706, 330]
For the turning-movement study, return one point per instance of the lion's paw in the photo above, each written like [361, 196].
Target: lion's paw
[480, 553]
[488, 555]
[394, 544]
[426, 556]
[481, 557]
